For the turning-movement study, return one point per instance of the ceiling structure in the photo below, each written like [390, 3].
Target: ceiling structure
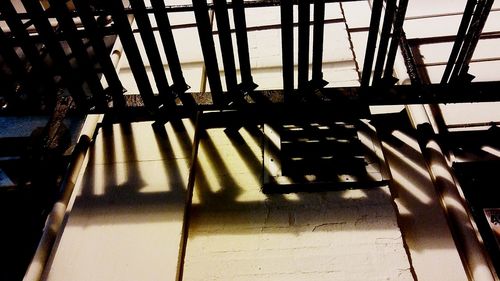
[303, 51]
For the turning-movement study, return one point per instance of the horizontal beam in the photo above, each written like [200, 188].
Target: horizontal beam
[397, 95]
[111, 31]
[189, 7]
[449, 38]
[345, 104]
[343, 98]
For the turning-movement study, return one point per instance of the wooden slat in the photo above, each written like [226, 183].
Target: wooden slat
[169, 46]
[242, 42]
[304, 30]
[318, 36]
[390, 9]
[226, 44]
[72, 78]
[132, 52]
[79, 51]
[208, 49]
[396, 34]
[372, 42]
[96, 37]
[151, 48]
[286, 12]
[28, 46]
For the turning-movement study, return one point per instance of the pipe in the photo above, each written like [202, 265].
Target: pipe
[465, 235]
[56, 216]
[467, 241]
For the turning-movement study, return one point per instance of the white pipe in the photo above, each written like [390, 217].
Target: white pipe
[467, 240]
[55, 218]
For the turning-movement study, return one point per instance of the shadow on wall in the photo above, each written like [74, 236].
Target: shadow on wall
[134, 173]
[138, 177]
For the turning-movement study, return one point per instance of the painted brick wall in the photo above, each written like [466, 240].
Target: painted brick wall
[238, 233]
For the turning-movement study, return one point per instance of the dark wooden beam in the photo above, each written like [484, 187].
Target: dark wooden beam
[396, 34]
[303, 56]
[208, 49]
[169, 47]
[72, 77]
[190, 8]
[286, 12]
[241, 30]
[318, 38]
[226, 45]
[132, 52]
[371, 42]
[96, 37]
[151, 47]
[390, 9]
[79, 51]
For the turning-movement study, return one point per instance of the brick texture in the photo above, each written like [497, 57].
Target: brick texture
[238, 233]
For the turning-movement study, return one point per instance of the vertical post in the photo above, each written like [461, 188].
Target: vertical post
[167, 38]
[477, 25]
[79, 51]
[132, 52]
[27, 45]
[371, 43]
[318, 36]
[303, 59]
[396, 34]
[12, 59]
[462, 30]
[242, 41]
[286, 8]
[96, 37]
[146, 31]
[71, 77]
[390, 8]
[208, 49]
[226, 44]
